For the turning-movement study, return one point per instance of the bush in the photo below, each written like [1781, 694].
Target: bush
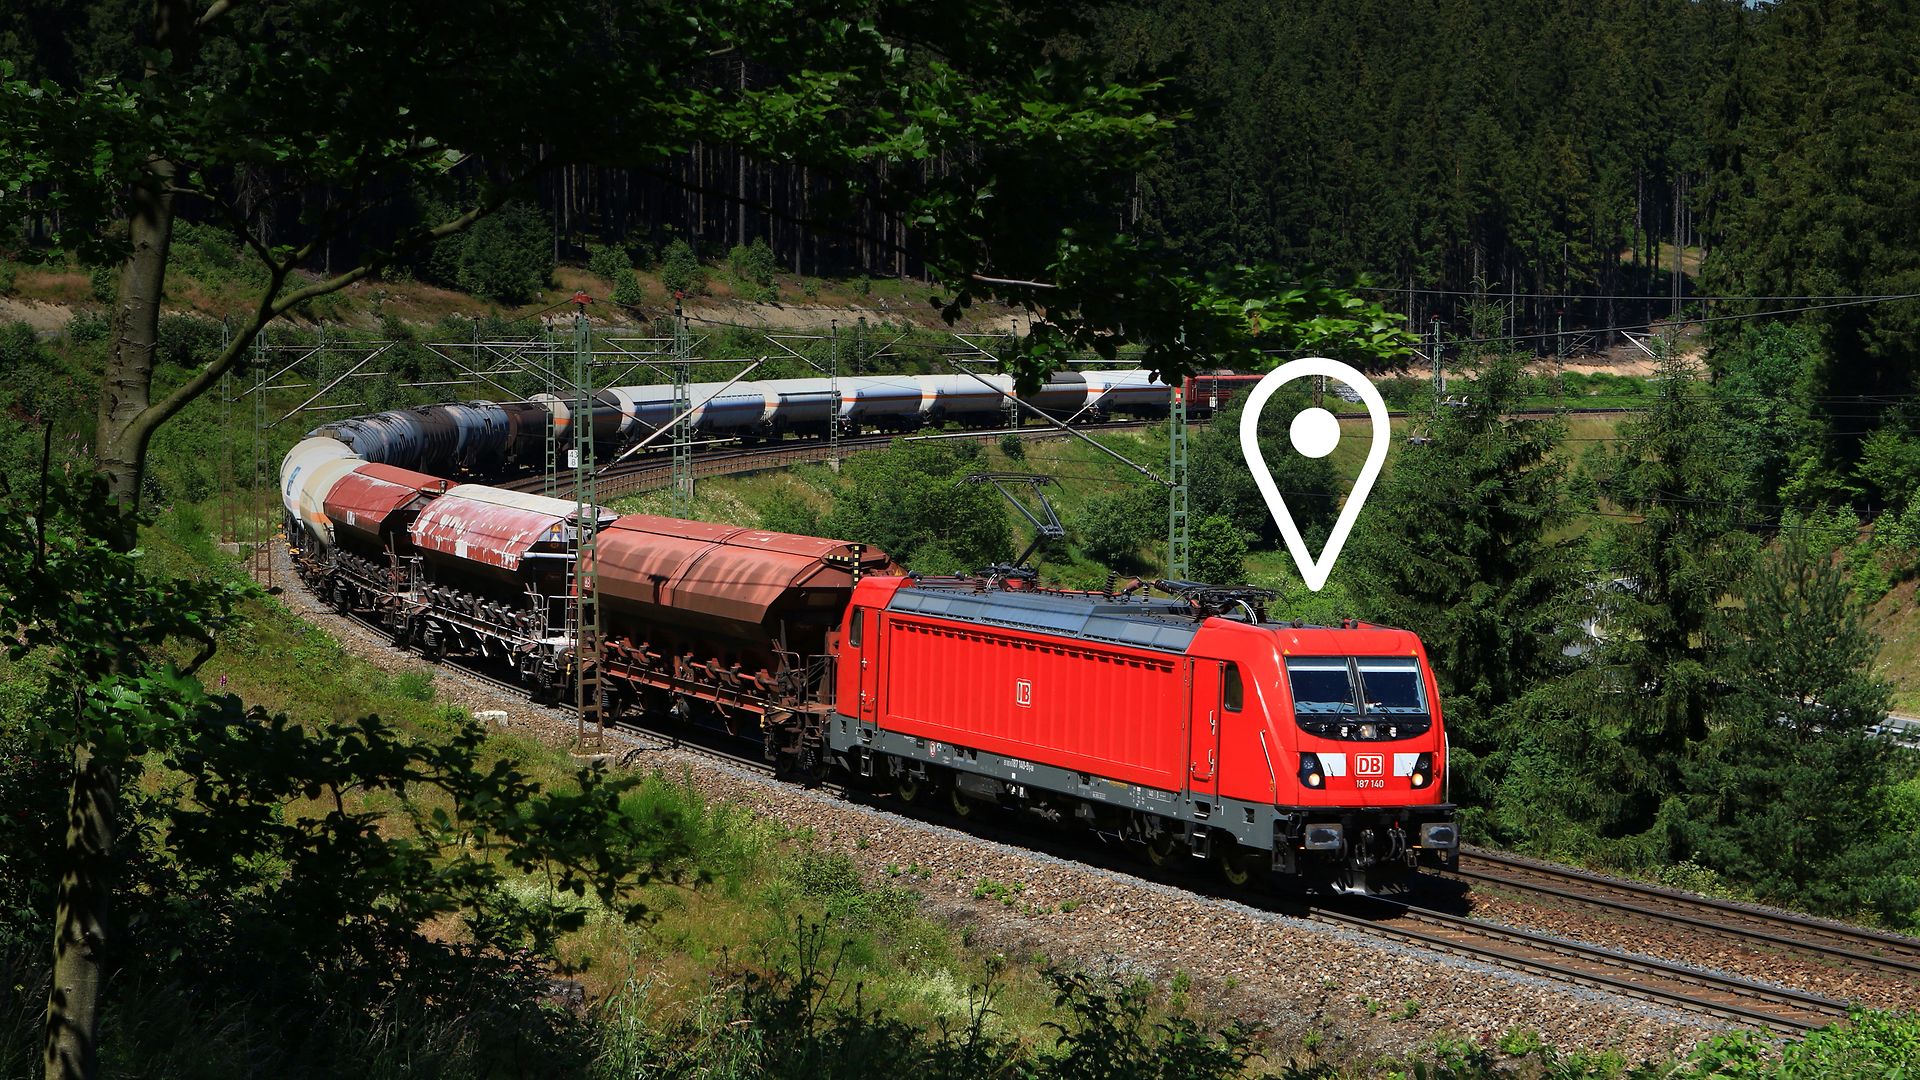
[213, 257]
[911, 501]
[753, 268]
[506, 257]
[105, 283]
[87, 327]
[786, 511]
[187, 341]
[680, 271]
[628, 292]
[1013, 446]
[611, 262]
[1219, 552]
[1114, 527]
[608, 262]
[7, 272]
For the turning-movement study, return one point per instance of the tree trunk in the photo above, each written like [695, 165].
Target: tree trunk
[121, 435]
[81, 921]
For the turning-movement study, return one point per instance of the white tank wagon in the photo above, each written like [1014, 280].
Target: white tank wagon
[800, 406]
[966, 400]
[307, 473]
[1126, 393]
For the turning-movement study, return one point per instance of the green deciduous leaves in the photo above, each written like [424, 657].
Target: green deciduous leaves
[912, 501]
[112, 636]
[1113, 527]
[374, 857]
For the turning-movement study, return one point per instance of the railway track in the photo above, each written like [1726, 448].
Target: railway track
[1678, 986]
[1857, 947]
[654, 470]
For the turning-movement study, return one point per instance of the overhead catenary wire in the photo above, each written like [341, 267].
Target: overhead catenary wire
[1729, 298]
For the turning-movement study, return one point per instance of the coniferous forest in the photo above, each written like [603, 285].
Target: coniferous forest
[1668, 640]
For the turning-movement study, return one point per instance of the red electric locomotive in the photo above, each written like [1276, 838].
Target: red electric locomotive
[1307, 750]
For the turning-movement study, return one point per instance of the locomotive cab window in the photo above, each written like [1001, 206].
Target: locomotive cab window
[1322, 686]
[1391, 685]
[1233, 693]
[853, 627]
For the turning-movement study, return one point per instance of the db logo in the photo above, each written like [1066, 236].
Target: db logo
[1023, 693]
[1370, 765]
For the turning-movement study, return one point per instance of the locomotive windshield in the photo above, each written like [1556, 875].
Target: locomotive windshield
[1322, 686]
[1364, 697]
[1392, 684]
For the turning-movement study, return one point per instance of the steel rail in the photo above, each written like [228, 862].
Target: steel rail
[1818, 937]
[1691, 989]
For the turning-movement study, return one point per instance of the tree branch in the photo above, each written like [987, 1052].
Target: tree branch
[273, 304]
[214, 11]
[985, 280]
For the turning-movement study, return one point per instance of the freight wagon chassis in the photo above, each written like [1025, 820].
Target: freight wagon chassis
[792, 727]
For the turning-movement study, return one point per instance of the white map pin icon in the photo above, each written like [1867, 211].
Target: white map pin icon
[1314, 433]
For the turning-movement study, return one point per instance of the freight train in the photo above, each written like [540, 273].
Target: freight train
[1190, 724]
[495, 440]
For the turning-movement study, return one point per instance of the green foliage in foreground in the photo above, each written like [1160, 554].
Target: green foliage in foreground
[801, 1020]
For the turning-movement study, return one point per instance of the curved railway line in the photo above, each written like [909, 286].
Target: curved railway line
[1674, 985]
[654, 470]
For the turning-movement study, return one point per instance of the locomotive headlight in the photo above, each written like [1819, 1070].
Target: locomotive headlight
[1310, 772]
[1422, 775]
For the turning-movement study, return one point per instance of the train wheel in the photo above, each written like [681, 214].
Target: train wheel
[957, 800]
[1161, 848]
[912, 790]
[1236, 864]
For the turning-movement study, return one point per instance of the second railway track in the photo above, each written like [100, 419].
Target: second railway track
[1857, 947]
